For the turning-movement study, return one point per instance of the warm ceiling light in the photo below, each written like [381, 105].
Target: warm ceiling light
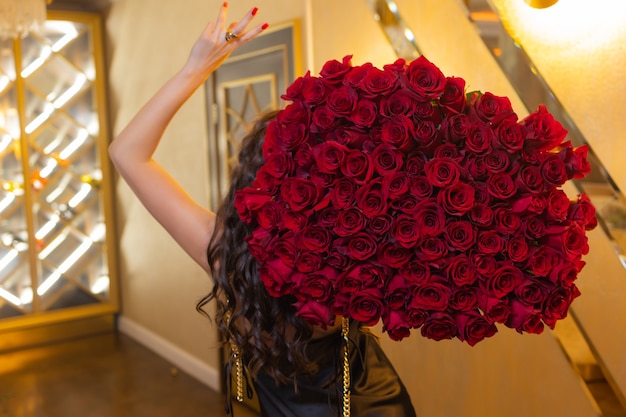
[18, 17]
[540, 4]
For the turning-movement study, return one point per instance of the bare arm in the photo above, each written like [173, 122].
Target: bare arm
[190, 224]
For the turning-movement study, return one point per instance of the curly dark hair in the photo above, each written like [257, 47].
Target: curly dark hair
[264, 328]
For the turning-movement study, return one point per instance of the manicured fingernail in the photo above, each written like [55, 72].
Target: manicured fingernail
[254, 11]
[265, 25]
[225, 4]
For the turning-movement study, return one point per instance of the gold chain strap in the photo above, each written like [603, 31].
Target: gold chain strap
[345, 328]
[238, 372]
[237, 363]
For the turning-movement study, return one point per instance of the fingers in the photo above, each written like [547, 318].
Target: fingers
[240, 27]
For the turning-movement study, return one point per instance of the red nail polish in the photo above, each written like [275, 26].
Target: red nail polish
[254, 11]
[265, 25]
[225, 4]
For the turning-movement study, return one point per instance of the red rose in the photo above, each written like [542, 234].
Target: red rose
[358, 166]
[314, 238]
[406, 204]
[416, 316]
[576, 163]
[334, 71]
[517, 249]
[457, 199]
[553, 171]
[372, 198]
[324, 120]
[475, 166]
[285, 249]
[523, 318]
[534, 227]
[397, 103]
[316, 285]
[327, 217]
[314, 313]
[496, 161]
[439, 326]
[342, 192]
[507, 222]
[573, 242]
[420, 187]
[386, 159]
[489, 242]
[473, 328]
[279, 166]
[431, 249]
[479, 138]
[557, 304]
[397, 132]
[504, 280]
[260, 244]
[294, 91]
[366, 306]
[349, 222]
[583, 212]
[433, 295]
[541, 130]
[542, 260]
[496, 310]
[557, 205]
[270, 215]
[342, 101]
[276, 277]
[442, 172]
[377, 83]
[484, 264]
[424, 79]
[248, 201]
[529, 179]
[481, 215]
[294, 113]
[510, 136]
[430, 217]
[303, 157]
[453, 97]
[464, 299]
[501, 186]
[308, 261]
[299, 194]
[566, 272]
[330, 156]
[360, 246]
[364, 114]
[355, 75]
[426, 134]
[293, 220]
[314, 90]
[349, 136]
[396, 324]
[380, 224]
[397, 184]
[531, 292]
[397, 293]
[337, 259]
[460, 235]
[455, 128]
[405, 230]
[415, 271]
[491, 108]
[393, 255]
[460, 269]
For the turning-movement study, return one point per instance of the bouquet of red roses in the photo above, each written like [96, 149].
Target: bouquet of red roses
[394, 194]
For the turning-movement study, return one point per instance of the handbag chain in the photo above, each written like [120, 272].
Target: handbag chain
[345, 328]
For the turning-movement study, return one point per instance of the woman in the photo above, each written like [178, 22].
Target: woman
[295, 367]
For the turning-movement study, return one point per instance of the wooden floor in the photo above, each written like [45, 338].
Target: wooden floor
[108, 375]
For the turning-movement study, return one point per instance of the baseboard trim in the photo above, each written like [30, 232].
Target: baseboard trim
[187, 363]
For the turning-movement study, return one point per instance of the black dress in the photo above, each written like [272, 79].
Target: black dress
[376, 390]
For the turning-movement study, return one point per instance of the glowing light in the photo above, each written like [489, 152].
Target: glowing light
[65, 266]
[100, 285]
[71, 91]
[37, 62]
[11, 298]
[8, 258]
[80, 195]
[42, 117]
[6, 201]
[26, 296]
[47, 228]
[47, 170]
[75, 144]
[52, 245]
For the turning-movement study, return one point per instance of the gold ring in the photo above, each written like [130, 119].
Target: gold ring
[230, 36]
